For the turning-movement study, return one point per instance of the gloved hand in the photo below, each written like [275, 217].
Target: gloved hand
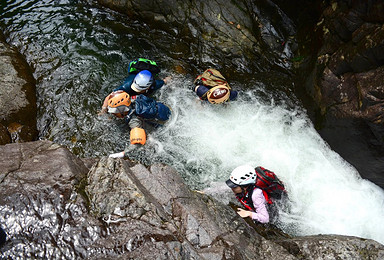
[167, 79]
[117, 155]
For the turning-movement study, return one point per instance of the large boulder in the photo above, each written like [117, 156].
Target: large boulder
[17, 96]
[53, 207]
[250, 37]
[345, 82]
[350, 62]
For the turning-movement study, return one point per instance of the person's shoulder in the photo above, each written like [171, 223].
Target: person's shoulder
[257, 191]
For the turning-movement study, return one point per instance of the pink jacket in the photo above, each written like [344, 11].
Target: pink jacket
[259, 203]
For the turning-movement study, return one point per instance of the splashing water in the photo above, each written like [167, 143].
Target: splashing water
[79, 58]
[206, 142]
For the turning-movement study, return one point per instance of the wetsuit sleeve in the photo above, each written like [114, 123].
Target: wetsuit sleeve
[159, 84]
[201, 90]
[233, 95]
[126, 86]
[259, 203]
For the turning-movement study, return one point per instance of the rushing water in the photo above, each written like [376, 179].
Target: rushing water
[80, 53]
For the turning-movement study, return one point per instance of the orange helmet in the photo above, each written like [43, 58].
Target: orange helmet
[218, 94]
[118, 104]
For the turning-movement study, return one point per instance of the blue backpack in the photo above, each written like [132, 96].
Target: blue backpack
[149, 108]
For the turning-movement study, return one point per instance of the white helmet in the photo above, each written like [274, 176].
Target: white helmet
[142, 81]
[242, 175]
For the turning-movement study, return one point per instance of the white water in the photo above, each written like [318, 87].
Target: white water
[205, 142]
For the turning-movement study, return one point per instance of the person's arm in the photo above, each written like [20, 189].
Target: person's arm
[104, 107]
[158, 84]
[135, 121]
[259, 203]
[137, 133]
[233, 95]
[126, 86]
[201, 90]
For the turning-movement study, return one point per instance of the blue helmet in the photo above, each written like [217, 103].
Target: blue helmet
[142, 81]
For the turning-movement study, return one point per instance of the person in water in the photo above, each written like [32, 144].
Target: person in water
[140, 81]
[254, 188]
[135, 111]
[213, 87]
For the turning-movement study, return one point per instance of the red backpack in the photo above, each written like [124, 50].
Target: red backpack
[268, 182]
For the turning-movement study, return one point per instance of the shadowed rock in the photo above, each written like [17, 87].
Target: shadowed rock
[17, 96]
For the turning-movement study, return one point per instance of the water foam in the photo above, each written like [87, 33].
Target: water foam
[205, 142]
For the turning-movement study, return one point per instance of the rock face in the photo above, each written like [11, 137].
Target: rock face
[17, 97]
[243, 35]
[346, 83]
[53, 207]
[349, 65]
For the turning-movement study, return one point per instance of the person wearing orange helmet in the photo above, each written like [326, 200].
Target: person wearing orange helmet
[140, 80]
[135, 111]
[213, 87]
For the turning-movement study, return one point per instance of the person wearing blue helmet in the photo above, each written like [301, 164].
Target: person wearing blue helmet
[140, 81]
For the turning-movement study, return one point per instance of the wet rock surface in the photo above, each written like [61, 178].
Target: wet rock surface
[253, 38]
[17, 96]
[335, 49]
[343, 79]
[346, 82]
[53, 207]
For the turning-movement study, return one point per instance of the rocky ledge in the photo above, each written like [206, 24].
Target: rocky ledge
[55, 205]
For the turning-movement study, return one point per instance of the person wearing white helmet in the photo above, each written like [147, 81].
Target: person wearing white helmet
[242, 182]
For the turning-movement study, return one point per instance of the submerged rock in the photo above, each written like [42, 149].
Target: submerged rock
[54, 207]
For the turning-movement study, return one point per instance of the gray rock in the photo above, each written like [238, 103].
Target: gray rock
[17, 94]
[221, 32]
[53, 207]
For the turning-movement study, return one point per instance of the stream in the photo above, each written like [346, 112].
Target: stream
[79, 53]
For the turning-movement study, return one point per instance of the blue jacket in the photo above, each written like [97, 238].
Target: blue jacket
[126, 86]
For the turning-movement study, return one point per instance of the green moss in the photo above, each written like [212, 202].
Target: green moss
[80, 188]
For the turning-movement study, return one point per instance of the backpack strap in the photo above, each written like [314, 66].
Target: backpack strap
[267, 198]
[245, 200]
